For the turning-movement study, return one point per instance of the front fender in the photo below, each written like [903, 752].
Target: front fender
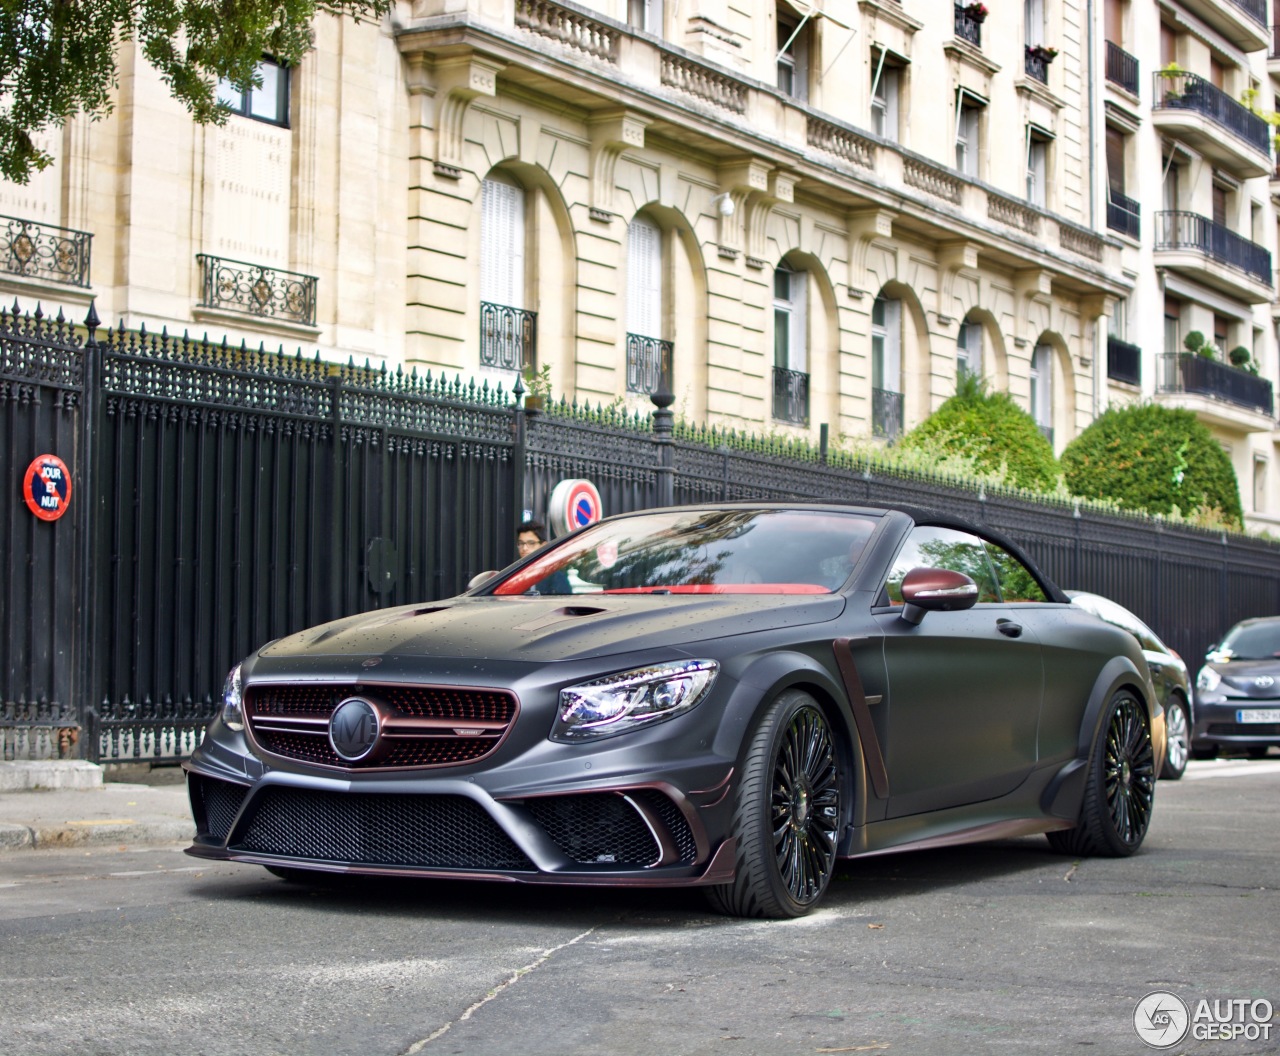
[1064, 795]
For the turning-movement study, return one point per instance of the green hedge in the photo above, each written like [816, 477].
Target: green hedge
[994, 432]
[1154, 458]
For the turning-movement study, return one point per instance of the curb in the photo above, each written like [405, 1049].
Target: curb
[23, 776]
[82, 834]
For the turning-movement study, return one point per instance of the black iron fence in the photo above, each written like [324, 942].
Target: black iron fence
[647, 360]
[223, 497]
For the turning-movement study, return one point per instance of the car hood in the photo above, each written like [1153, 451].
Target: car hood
[546, 629]
[1251, 678]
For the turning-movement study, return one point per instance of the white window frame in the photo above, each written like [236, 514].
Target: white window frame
[886, 345]
[790, 319]
[886, 89]
[969, 350]
[793, 56]
[968, 134]
[1037, 171]
[644, 278]
[1033, 16]
[646, 16]
[1042, 385]
[502, 242]
[269, 102]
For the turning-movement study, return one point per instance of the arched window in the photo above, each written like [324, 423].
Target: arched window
[507, 329]
[647, 353]
[886, 368]
[969, 350]
[1042, 389]
[790, 345]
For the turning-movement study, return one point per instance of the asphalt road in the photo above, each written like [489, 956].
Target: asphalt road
[998, 948]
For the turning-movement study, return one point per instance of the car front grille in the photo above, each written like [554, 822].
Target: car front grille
[604, 827]
[219, 803]
[421, 726]
[1244, 729]
[438, 832]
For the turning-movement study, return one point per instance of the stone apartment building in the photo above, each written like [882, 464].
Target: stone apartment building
[796, 213]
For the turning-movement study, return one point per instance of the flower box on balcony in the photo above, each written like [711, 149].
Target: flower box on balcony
[976, 12]
[1044, 54]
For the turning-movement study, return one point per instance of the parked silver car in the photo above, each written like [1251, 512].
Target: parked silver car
[1168, 672]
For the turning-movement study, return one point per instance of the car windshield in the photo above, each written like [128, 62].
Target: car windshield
[1254, 641]
[748, 551]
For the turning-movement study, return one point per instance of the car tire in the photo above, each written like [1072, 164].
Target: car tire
[1120, 786]
[1178, 728]
[787, 814]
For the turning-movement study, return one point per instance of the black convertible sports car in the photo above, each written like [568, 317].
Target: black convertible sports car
[732, 696]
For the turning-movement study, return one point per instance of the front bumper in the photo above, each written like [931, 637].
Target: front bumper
[648, 834]
[1218, 721]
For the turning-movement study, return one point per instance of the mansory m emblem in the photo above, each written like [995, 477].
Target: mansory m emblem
[354, 729]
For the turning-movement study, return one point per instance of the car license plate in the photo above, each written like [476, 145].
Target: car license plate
[1244, 715]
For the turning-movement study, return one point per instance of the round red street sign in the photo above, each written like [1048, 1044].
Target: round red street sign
[573, 504]
[46, 487]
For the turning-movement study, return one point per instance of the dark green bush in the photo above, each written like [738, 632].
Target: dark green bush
[992, 430]
[1153, 458]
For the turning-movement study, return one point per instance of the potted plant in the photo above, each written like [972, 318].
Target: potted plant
[1194, 342]
[1240, 357]
[1043, 53]
[976, 12]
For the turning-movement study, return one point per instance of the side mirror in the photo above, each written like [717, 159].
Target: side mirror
[935, 590]
[480, 579]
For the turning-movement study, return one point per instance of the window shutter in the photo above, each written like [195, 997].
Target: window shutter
[893, 346]
[799, 322]
[502, 243]
[644, 278]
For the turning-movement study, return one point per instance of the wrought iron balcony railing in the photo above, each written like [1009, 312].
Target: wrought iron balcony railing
[1036, 63]
[790, 396]
[1274, 51]
[43, 251]
[1178, 230]
[967, 27]
[1122, 68]
[647, 360]
[886, 414]
[508, 337]
[1124, 215]
[1124, 361]
[1188, 372]
[1254, 9]
[1187, 91]
[271, 293]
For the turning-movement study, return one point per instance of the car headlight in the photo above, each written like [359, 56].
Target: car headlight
[631, 699]
[233, 700]
[1208, 679]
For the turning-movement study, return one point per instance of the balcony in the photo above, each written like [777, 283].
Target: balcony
[1273, 52]
[1243, 22]
[1122, 68]
[1124, 361]
[886, 414]
[508, 337]
[790, 396]
[253, 289]
[1204, 116]
[1036, 59]
[1124, 215]
[968, 28]
[43, 251]
[647, 359]
[1186, 372]
[1213, 254]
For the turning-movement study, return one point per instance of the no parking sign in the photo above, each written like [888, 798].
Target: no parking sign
[573, 504]
[46, 487]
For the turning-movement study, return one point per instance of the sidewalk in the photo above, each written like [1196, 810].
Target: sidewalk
[69, 804]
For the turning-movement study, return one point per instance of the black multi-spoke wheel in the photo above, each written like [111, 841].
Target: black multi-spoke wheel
[1120, 788]
[787, 815]
[1178, 733]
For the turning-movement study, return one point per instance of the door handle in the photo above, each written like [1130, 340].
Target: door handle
[1008, 628]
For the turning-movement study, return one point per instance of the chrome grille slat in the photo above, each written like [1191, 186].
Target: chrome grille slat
[422, 726]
